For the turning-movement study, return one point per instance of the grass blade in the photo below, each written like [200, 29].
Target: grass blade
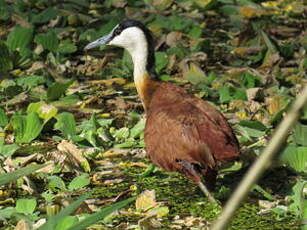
[12, 176]
[101, 214]
[54, 220]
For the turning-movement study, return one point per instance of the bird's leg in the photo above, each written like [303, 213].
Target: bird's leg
[189, 170]
[204, 189]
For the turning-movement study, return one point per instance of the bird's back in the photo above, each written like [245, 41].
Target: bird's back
[181, 127]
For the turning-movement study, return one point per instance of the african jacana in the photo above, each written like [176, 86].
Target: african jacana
[182, 133]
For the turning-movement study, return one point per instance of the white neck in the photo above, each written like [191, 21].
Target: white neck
[139, 57]
[134, 41]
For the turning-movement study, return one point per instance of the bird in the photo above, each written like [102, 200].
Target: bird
[182, 133]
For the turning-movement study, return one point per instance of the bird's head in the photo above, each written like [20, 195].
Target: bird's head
[133, 36]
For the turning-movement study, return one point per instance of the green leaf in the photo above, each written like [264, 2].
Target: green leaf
[253, 125]
[29, 82]
[6, 63]
[195, 32]
[263, 192]
[26, 206]
[79, 182]
[12, 176]
[101, 214]
[300, 134]
[295, 157]
[297, 207]
[8, 150]
[122, 133]
[19, 38]
[57, 89]
[248, 80]
[161, 61]
[49, 41]
[224, 93]
[26, 128]
[66, 124]
[45, 16]
[45, 111]
[253, 132]
[56, 183]
[239, 95]
[67, 47]
[3, 118]
[67, 101]
[138, 129]
[195, 75]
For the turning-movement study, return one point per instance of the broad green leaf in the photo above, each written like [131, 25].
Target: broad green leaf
[101, 214]
[161, 61]
[45, 111]
[45, 16]
[79, 182]
[7, 213]
[66, 124]
[3, 118]
[300, 134]
[66, 101]
[12, 176]
[239, 95]
[49, 41]
[195, 32]
[105, 122]
[253, 132]
[224, 93]
[67, 47]
[6, 63]
[121, 133]
[19, 38]
[253, 125]
[26, 206]
[295, 157]
[127, 144]
[298, 198]
[30, 81]
[8, 150]
[248, 80]
[195, 75]
[57, 89]
[56, 183]
[26, 128]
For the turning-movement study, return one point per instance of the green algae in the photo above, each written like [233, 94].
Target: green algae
[183, 198]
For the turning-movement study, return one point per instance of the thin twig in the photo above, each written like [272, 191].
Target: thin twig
[263, 162]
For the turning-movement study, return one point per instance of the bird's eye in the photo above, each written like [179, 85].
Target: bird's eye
[117, 32]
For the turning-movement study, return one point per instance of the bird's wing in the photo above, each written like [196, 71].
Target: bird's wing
[184, 131]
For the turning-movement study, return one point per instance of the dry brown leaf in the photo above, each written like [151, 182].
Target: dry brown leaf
[22, 225]
[112, 182]
[196, 57]
[246, 50]
[172, 38]
[35, 66]
[109, 82]
[111, 153]
[253, 93]
[250, 11]
[74, 154]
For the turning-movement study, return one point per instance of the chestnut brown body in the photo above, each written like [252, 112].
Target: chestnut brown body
[183, 131]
